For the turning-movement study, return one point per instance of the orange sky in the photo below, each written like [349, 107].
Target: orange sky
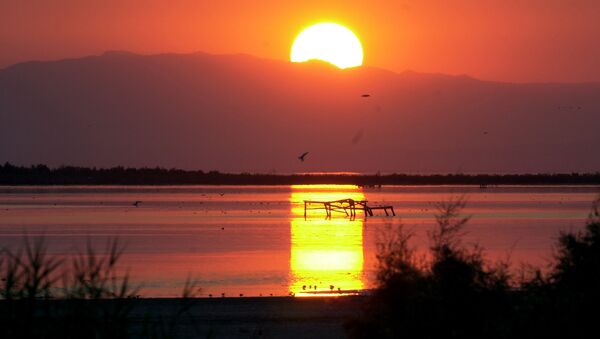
[521, 41]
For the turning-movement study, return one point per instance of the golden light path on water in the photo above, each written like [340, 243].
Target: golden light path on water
[325, 253]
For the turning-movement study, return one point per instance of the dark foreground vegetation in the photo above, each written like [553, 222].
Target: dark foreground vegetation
[454, 293]
[69, 175]
[449, 292]
[46, 296]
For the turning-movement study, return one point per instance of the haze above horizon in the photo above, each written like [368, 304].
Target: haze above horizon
[529, 41]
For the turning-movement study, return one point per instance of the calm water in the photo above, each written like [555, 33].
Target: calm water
[255, 240]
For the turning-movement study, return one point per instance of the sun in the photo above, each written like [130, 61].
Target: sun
[329, 42]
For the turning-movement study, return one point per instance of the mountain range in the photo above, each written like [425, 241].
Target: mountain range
[238, 113]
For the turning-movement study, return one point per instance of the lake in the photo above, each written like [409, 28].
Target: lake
[254, 240]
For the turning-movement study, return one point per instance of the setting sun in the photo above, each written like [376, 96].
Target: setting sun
[329, 42]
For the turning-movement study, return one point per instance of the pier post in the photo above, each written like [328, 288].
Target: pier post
[304, 209]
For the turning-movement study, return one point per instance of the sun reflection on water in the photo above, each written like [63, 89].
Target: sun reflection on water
[326, 255]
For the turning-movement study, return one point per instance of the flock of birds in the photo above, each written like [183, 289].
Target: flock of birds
[138, 202]
[358, 136]
[304, 288]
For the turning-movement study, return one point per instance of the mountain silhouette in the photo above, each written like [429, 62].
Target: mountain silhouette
[240, 113]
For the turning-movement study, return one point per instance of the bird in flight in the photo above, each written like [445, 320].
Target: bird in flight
[366, 95]
[301, 158]
[137, 203]
[357, 137]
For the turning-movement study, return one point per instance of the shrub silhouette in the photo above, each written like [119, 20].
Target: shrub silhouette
[455, 293]
[565, 302]
[42, 296]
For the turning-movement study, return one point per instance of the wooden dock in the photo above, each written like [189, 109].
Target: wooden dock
[347, 206]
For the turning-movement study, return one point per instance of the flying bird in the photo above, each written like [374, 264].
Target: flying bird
[357, 137]
[137, 203]
[366, 95]
[301, 158]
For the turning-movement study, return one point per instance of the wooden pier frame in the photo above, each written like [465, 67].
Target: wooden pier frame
[347, 206]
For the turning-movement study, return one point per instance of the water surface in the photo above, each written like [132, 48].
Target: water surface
[255, 240]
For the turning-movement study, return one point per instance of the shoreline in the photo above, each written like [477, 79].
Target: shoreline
[42, 175]
[243, 317]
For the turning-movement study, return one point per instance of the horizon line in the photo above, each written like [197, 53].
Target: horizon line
[307, 173]
[399, 73]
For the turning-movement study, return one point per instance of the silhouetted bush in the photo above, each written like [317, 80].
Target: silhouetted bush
[44, 296]
[454, 293]
[564, 303]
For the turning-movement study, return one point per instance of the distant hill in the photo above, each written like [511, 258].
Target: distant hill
[239, 113]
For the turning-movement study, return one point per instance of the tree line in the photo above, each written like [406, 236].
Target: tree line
[74, 175]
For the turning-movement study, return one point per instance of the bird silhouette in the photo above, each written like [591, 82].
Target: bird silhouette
[137, 203]
[357, 137]
[301, 158]
[366, 95]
